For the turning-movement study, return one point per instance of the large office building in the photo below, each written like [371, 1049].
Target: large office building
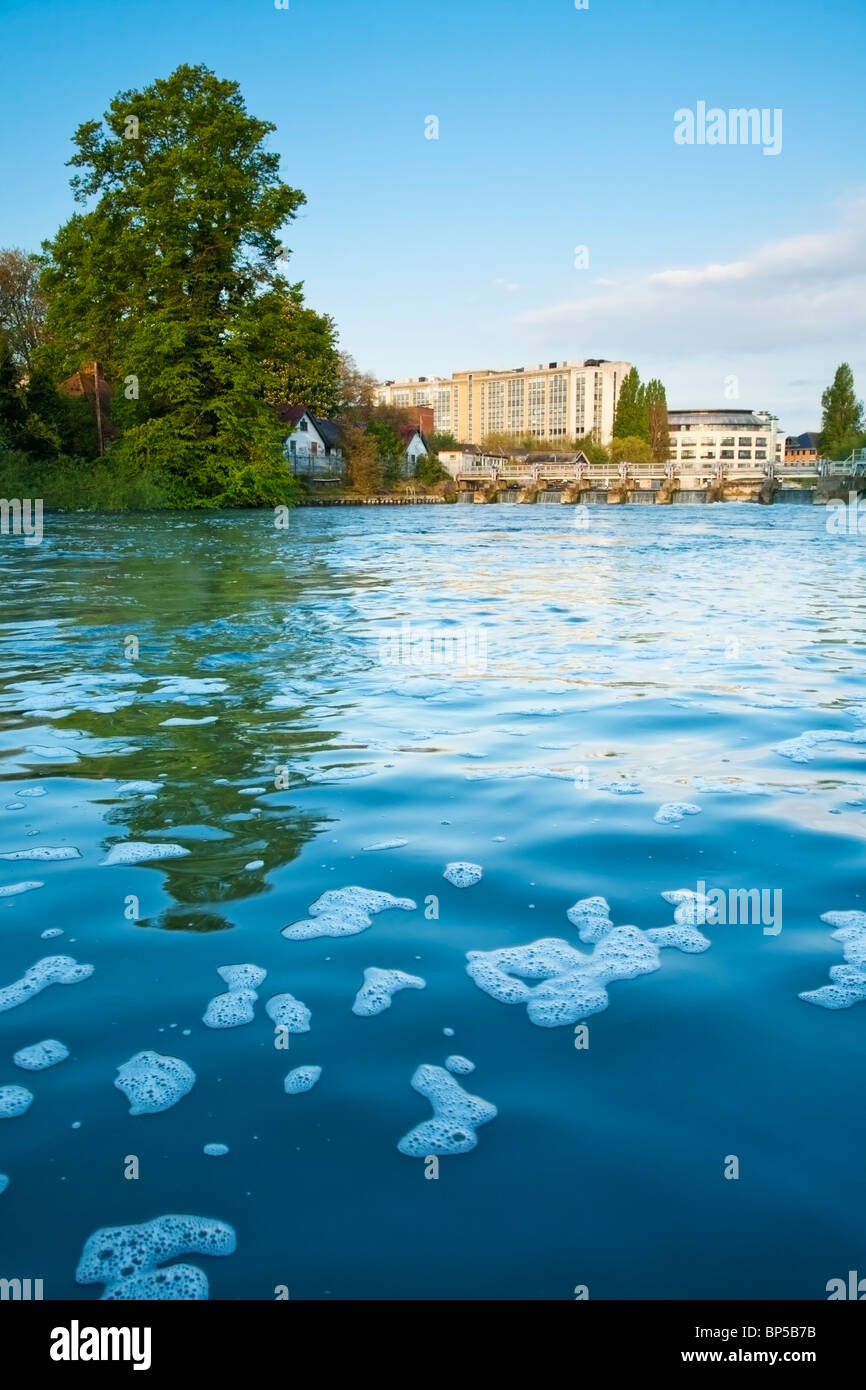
[729, 437]
[556, 400]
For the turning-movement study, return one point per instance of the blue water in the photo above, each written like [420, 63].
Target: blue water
[656, 646]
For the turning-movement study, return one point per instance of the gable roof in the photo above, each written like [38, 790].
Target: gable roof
[328, 429]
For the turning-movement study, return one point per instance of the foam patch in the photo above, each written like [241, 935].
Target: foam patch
[460, 1066]
[288, 1012]
[152, 1083]
[344, 912]
[11, 890]
[14, 1101]
[804, 748]
[621, 788]
[463, 875]
[385, 844]
[125, 1258]
[673, 811]
[572, 984]
[301, 1079]
[129, 787]
[4, 1183]
[230, 1010]
[591, 916]
[41, 1055]
[216, 1150]
[51, 970]
[849, 980]
[47, 854]
[379, 988]
[139, 852]
[456, 1116]
[682, 938]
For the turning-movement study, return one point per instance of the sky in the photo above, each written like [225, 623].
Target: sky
[734, 275]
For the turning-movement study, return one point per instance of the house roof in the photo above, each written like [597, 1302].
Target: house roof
[408, 432]
[328, 429]
[809, 440]
[739, 419]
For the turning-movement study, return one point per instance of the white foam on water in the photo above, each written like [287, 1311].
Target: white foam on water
[804, 748]
[510, 773]
[14, 1101]
[51, 932]
[733, 787]
[11, 890]
[449, 1032]
[14, 806]
[31, 792]
[385, 844]
[592, 918]
[682, 937]
[242, 976]
[849, 980]
[461, 1066]
[178, 722]
[301, 1079]
[139, 852]
[456, 1116]
[572, 984]
[340, 774]
[41, 1055]
[673, 811]
[463, 875]
[125, 1258]
[230, 1010]
[255, 864]
[128, 787]
[215, 1150]
[152, 1083]
[253, 791]
[288, 1012]
[237, 1006]
[51, 970]
[189, 685]
[4, 1183]
[45, 855]
[621, 788]
[344, 912]
[379, 988]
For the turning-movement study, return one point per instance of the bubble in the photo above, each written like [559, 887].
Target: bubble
[673, 811]
[139, 852]
[152, 1083]
[125, 1258]
[41, 1055]
[14, 1101]
[46, 854]
[344, 912]
[456, 1116]
[461, 1066]
[378, 989]
[215, 1150]
[463, 875]
[301, 1079]
[51, 970]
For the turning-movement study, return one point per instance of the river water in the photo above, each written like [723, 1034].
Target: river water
[522, 689]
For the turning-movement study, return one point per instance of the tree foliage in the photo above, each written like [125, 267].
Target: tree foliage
[22, 305]
[169, 281]
[842, 422]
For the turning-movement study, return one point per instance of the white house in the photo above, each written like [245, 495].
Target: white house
[416, 449]
[312, 445]
[469, 458]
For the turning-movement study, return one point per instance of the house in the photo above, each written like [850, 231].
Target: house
[312, 444]
[801, 448]
[470, 458]
[415, 447]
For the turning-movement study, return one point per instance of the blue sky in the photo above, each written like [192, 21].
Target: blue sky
[555, 130]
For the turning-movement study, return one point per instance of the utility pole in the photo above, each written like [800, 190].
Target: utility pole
[98, 402]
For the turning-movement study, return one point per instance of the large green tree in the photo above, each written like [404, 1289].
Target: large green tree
[842, 423]
[170, 281]
[656, 401]
[22, 305]
[632, 418]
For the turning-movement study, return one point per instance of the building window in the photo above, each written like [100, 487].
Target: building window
[727, 454]
[744, 454]
[745, 441]
[303, 426]
[760, 454]
[728, 441]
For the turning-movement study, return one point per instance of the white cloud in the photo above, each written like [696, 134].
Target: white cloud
[799, 291]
